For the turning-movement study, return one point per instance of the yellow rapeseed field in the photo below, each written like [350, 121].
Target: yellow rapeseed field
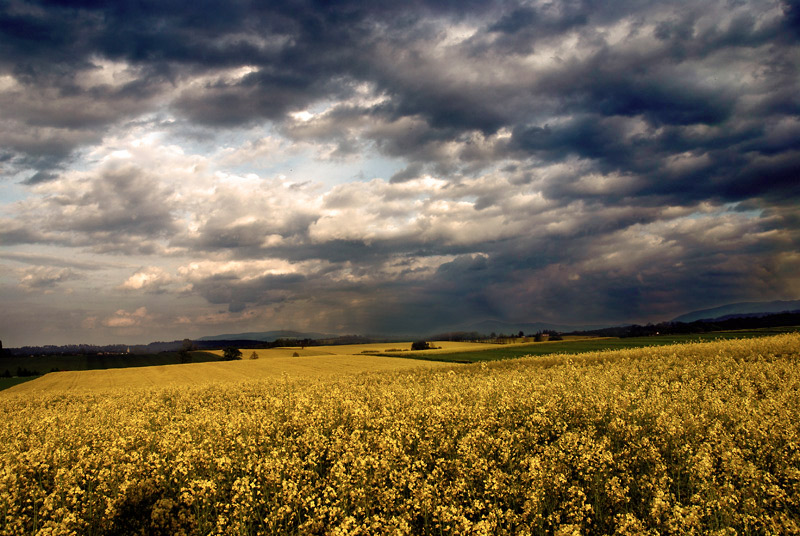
[294, 362]
[683, 439]
[277, 363]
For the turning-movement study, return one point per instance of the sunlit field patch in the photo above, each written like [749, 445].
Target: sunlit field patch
[682, 439]
[271, 364]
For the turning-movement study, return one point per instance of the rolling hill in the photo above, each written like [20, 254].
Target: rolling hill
[734, 310]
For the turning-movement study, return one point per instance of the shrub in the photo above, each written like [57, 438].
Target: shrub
[231, 354]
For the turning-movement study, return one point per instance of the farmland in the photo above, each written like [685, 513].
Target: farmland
[156, 368]
[152, 369]
[683, 439]
[575, 345]
[273, 364]
[5, 383]
[42, 364]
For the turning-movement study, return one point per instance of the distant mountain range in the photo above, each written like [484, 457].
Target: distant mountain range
[267, 336]
[737, 310]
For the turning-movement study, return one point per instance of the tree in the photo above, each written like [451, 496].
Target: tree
[420, 345]
[254, 355]
[184, 354]
[231, 354]
[554, 335]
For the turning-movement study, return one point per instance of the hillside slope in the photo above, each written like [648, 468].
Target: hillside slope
[743, 308]
[274, 364]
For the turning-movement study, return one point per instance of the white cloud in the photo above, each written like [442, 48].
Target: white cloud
[125, 319]
[46, 278]
[152, 279]
[239, 270]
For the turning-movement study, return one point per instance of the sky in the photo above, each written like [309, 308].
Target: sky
[176, 169]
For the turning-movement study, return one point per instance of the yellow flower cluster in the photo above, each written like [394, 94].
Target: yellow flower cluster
[685, 439]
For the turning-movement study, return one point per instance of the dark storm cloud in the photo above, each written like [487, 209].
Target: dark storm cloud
[237, 293]
[124, 201]
[630, 270]
[40, 176]
[12, 233]
[627, 271]
[573, 254]
[303, 52]
[410, 172]
[121, 210]
[47, 260]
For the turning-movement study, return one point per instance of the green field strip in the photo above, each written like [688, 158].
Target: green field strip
[48, 363]
[5, 383]
[588, 345]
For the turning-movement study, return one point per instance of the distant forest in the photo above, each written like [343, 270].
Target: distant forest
[175, 346]
[734, 322]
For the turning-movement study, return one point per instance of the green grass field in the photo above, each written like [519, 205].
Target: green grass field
[5, 383]
[46, 363]
[587, 345]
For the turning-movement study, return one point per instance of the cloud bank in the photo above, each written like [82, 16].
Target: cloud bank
[169, 170]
